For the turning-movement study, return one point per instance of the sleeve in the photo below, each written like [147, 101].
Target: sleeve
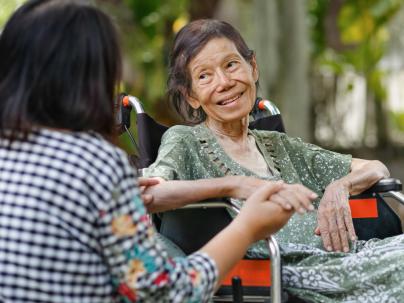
[140, 268]
[174, 157]
[322, 165]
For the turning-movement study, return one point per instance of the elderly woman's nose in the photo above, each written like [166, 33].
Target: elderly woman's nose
[224, 80]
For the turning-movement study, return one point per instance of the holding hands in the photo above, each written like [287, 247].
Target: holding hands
[144, 184]
[289, 196]
[266, 218]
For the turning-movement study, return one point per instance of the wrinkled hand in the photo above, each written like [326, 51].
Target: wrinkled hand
[244, 187]
[334, 218]
[289, 196]
[260, 217]
[296, 197]
[144, 184]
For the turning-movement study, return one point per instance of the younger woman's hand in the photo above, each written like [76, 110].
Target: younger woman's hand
[296, 197]
[144, 184]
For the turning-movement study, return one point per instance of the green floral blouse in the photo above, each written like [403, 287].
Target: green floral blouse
[190, 153]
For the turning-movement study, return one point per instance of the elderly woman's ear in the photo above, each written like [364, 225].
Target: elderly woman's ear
[255, 70]
[193, 102]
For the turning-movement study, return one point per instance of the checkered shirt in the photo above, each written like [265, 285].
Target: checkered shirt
[73, 228]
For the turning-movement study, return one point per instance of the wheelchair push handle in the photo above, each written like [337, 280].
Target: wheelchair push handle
[125, 103]
[267, 106]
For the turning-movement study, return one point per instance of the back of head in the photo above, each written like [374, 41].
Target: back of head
[59, 66]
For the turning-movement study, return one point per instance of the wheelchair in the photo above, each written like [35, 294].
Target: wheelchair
[250, 280]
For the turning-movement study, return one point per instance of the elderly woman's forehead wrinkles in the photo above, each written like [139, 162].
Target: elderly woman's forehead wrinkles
[213, 54]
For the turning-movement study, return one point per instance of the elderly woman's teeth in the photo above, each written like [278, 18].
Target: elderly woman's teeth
[229, 101]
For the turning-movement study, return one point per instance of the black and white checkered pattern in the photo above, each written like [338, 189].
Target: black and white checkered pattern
[58, 194]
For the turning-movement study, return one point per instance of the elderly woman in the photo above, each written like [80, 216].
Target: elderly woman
[72, 225]
[212, 82]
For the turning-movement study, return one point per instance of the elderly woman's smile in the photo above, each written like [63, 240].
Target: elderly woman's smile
[230, 101]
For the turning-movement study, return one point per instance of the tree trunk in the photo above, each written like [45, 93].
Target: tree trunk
[381, 120]
[202, 9]
[293, 82]
[369, 130]
[265, 39]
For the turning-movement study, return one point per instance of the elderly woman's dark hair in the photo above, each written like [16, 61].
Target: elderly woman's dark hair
[59, 65]
[187, 44]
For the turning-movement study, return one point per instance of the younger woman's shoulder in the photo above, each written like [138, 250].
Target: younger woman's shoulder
[83, 153]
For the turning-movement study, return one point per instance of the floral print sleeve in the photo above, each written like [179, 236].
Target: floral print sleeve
[140, 268]
[324, 165]
[300, 162]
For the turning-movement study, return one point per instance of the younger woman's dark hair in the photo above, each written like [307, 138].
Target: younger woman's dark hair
[189, 41]
[60, 63]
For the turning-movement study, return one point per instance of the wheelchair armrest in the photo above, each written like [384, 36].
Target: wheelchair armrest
[385, 185]
[213, 204]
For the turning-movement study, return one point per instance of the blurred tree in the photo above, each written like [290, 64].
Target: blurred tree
[353, 35]
[147, 29]
[202, 9]
[396, 65]
[293, 85]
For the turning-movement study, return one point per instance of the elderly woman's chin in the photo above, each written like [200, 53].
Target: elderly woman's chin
[235, 110]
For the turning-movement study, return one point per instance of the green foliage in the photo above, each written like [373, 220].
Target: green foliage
[317, 13]
[148, 44]
[356, 40]
[398, 120]
[363, 23]
[7, 7]
[362, 32]
[147, 28]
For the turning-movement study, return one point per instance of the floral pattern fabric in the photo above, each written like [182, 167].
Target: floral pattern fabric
[372, 271]
[142, 270]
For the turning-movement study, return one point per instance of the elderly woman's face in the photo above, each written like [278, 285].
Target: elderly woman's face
[223, 82]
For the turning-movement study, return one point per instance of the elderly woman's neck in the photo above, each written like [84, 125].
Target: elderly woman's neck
[235, 130]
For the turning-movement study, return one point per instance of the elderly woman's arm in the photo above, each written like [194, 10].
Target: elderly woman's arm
[172, 194]
[168, 195]
[334, 215]
[364, 174]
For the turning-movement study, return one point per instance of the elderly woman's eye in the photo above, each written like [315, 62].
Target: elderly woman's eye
[202, 76]
[232, 64]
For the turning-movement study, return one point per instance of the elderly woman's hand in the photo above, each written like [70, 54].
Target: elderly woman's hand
[242, 187]
[334, 218]
[296, 197]
[290, 196]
